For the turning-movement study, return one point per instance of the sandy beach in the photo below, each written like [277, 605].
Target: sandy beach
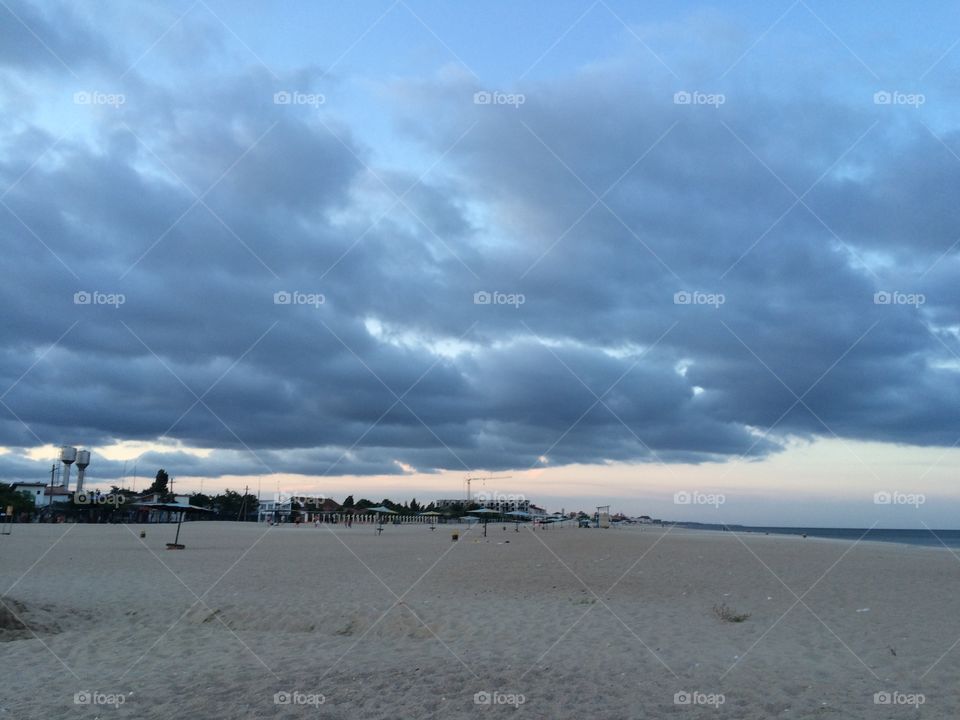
[251, 622]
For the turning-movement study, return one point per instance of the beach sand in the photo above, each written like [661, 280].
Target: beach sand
[562, 623]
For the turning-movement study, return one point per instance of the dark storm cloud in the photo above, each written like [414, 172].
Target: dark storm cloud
[199, 202]
[34, 38]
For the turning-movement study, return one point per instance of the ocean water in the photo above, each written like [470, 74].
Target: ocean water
[928, 538]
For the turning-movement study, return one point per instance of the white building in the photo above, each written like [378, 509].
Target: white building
[34, 490]
[501, 502]
[275, 510]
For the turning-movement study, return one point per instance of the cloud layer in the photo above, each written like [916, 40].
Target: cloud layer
[680, 281]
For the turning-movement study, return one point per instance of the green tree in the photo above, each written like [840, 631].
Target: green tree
[200, 500]
[348, 503]
[161, 483]
[21, 502]
[231, 505]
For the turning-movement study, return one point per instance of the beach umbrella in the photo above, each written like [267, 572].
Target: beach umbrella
[174, 508]
[516, 515]
[486, 512]
[381, 510]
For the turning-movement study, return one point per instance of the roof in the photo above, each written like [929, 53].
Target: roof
[171, 506]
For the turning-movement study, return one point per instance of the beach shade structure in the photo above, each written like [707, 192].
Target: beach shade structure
[517, 515]
[381, 510]
[486, 513]
[174, 508]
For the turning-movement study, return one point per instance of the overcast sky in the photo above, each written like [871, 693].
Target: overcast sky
[613, 251]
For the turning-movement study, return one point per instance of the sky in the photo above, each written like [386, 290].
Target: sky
[692, 260]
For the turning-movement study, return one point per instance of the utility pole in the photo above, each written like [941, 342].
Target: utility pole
[53, 473]
[243, 503]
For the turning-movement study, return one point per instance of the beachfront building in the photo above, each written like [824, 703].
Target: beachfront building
[450, 503]
[286, 507]
[157, 498]
[34, 490]
[156, 514]
[501, 502]
[276, 511]
[536, 512]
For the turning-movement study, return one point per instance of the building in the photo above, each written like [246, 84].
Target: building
[308, 509]
[501, 502]
[450, 503]
[34, 490]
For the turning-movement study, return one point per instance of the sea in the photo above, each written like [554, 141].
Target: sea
[927, 538]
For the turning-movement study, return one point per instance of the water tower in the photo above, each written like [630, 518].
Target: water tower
[83, 459]
[68, 456]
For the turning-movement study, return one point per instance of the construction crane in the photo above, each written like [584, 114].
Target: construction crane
[489, 477]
